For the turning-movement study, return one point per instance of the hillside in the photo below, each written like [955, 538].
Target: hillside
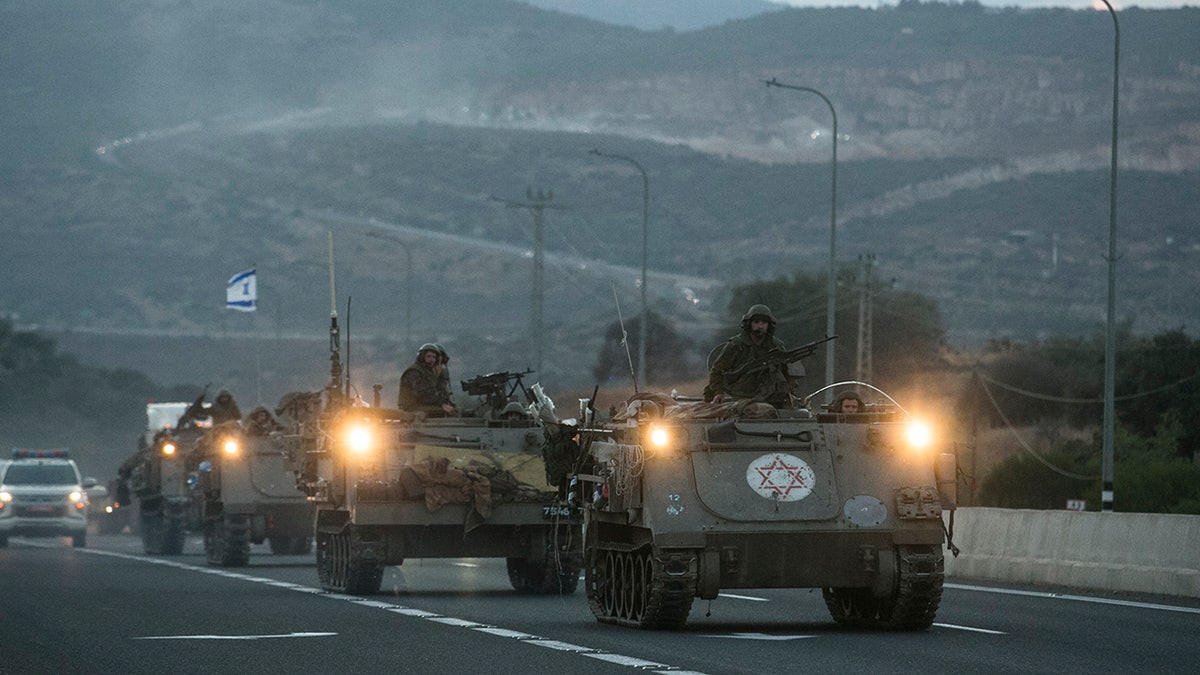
[158, 148]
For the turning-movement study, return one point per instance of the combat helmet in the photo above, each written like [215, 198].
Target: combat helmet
[758, 310]
[429, 347]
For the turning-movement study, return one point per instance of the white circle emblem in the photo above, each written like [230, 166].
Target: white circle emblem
[781, 477]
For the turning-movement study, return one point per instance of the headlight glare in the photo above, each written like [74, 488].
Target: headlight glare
[659, 438]
[360, 440]
[168, 449]
[231, 447]
[919, 435]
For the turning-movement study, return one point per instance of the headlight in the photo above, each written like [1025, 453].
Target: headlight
[360, 440]
[76, 497]
[5, 496]
[230, 447]
[918, 435]
[660, 439]
[168, 449]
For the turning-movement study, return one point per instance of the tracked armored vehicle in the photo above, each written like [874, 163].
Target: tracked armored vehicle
[689, 499]
[245, 493]
[157, 475]
[390, 485]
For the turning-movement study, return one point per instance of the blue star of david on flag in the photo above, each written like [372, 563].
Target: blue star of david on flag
[242, 291]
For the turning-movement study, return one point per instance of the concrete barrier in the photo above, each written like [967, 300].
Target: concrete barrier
[1135, 552]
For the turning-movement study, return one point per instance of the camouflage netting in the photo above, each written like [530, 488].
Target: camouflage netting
[437, 482]
[651, 405]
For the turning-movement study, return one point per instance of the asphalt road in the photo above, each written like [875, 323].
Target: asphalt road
[110, 608]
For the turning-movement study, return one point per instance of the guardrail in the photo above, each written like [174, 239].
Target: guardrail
[1134, 552]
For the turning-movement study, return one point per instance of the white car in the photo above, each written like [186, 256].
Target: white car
[42, 495]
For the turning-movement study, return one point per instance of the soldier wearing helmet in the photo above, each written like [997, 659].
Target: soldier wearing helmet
[751, 345]
[443, 370]
[420, 389]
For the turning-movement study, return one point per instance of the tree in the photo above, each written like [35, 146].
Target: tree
[670, 356]
[906, 341]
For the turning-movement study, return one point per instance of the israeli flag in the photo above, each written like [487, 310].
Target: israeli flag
[242, 292]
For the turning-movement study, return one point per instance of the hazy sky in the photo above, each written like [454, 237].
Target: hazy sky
[1075, 4]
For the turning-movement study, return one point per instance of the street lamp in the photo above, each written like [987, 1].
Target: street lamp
[1110, 338]
[831, 307]
[643, 324]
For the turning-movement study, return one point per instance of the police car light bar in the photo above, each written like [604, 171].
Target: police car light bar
[34, 453]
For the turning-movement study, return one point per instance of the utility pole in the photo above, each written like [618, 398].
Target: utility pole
[1110, 333]
[864, 367]
[537, 203]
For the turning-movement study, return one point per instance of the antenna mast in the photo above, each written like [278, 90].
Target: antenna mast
[335, 365]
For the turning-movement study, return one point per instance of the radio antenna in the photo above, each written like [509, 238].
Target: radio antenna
[335, 363]
[625, 339]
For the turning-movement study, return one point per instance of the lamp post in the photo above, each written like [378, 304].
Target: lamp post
[831, 304]
[644, 323]
[1110, 338]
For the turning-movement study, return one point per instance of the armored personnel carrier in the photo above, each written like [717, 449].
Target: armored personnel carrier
[688, 499]
[157, 474]
[390, 485]
[245, 493]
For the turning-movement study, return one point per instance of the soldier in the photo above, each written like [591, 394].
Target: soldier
[726, 379]
[849, 402]
[419, 387]
[261, 423]
[443, 371]
[225, 409]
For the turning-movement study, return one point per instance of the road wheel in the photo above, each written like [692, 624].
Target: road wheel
[638, 589]
[346, 565]
[912, 603]
[853, 607]
[153, 531]
[227, 541]
[554, 574]
[79, 539]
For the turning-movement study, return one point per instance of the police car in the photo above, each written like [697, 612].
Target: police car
[42, 495]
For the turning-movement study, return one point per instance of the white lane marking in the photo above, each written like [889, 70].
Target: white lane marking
[591, 652]
[560, 646]
[761, 636]
[504, 632]
[743, 597]
[451, 621]
[232, 637]
[970, 628]
[378, 604]
[409, 611]
[1078, 598]
[626, 661]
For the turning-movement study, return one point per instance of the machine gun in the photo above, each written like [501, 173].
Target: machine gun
[774, 359]
[494, 386]
[195, 412]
